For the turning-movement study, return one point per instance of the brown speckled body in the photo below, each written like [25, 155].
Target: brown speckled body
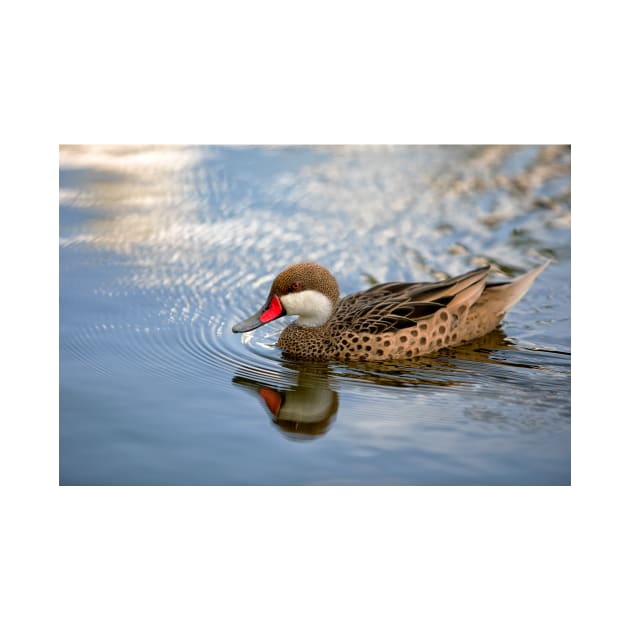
[397, 320]
[438, 331]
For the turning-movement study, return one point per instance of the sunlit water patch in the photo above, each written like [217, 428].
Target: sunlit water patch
[163, 249]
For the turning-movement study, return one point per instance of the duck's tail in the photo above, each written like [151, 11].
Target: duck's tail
[500, 297]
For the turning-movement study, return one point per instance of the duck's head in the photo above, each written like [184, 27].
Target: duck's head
[306, 289]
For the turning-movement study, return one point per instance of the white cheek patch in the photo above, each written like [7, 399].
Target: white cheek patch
[313, 307]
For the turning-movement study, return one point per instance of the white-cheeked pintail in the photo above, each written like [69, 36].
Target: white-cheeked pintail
[395, 320]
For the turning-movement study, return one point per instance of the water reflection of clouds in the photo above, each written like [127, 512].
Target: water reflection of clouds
[135, 195]
[133, 160]
[380, 208]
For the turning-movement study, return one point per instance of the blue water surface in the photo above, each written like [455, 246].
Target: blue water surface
[164, 248]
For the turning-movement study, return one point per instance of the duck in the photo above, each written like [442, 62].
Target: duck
[387, 322]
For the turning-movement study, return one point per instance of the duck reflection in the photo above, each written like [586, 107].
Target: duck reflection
[304, 411]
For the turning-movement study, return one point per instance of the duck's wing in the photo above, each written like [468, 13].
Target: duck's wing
[397, 305]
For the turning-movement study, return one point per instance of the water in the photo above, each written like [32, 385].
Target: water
[163, 249]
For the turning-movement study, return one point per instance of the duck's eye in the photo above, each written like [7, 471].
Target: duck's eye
[296, 286]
